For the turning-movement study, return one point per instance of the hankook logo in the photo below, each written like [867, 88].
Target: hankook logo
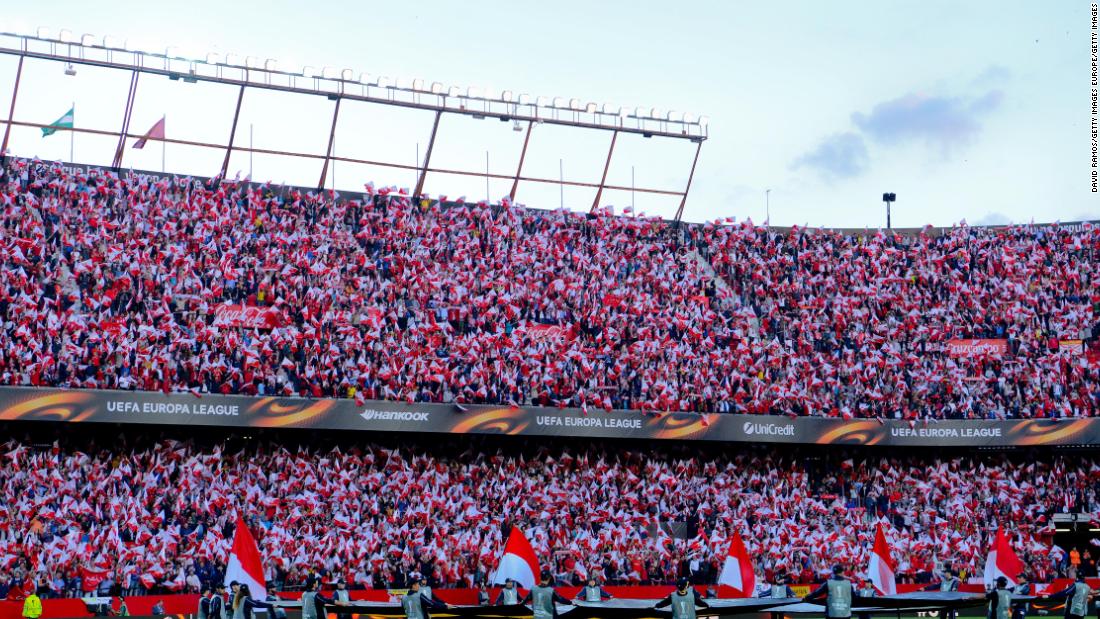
[375, 415]
[769, 429]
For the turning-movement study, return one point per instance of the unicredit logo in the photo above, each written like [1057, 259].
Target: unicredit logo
[372, 415]
[769, 429]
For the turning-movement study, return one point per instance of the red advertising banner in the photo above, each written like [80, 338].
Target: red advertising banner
[976, 348]
[247, 316]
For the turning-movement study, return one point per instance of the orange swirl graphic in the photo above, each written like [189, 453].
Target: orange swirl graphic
[494, 421]
[270, 413]
[853, 433]
[64, 406]
[1045, 432]
[676, 426]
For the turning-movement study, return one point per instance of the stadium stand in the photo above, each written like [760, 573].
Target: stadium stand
[168, 284]
[137, 512]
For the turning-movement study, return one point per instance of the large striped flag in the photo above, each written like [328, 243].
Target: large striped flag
[156, 132]
[1001, 561]
[737, 570]
[245, 565]
[519, 562]
[881, 569]
[65, 122]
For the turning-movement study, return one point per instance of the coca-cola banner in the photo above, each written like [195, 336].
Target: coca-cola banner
[247, 316]
[186, 409]
[976, 348]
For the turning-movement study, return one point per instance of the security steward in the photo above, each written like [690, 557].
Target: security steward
[592, 592]
[1076, 596]
[683, 601]
[414, 603]
[1000, 600]
[838, 594]
[544, 599]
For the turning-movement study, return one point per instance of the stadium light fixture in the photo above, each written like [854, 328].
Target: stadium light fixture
[65, 36]
[609, 108]
[575, 104]
[473, 92]
[507, 96]
[525, 99]
[111, 42]
[70, 70]
[328, 73]
[252, 62]
[704, 121]
[383, 82]
[640, 112]
[590, 108]
[309, 72]
[656, 114]
[233, 60]
[43, 33]
[689, 118]
[87, 40]
[365, 79]
[674, 116]
[213, 58]
[418, 85]
[171, 51]
[271, 65]
[437, 88]
[347, 75]
[889, 199]
[542, 102]
[560, 102]
[454, 91]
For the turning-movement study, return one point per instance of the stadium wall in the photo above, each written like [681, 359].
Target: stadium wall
[186, 409]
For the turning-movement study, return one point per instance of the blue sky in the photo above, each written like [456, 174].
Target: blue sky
[975, 110]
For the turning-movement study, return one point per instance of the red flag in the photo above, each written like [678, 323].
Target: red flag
[1001, 561]
[881, 569]
[737, 571]
[155, 132]
[245, 564]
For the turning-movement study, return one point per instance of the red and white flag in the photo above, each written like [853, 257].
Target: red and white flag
[155, 132]
[245, 565]
[881, 569]
[737, 570]
[1001, 561]
[519, 561]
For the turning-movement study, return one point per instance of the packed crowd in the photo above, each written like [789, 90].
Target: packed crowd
[141, 514]
[119, 283]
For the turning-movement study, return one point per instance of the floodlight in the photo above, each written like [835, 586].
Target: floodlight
[328, 73]
[383, 82]
[233, 60]
[640, 112]
[87, 40]
[507, 96]
[309, 72]
[437, 88]
[689, 118]
[65, 36]
[43, 33]
[559, 102]
[271, 64]
[655, 114]
[704, 121]
[590, 108]
[366, 79]
[418, 84]
[213, 58]
[473, 92]
[543, 102]
[525, 99]
[171, 51]
[111, 42]
[454, 92]
[674, 116]
[347, 75]
[575, 104]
